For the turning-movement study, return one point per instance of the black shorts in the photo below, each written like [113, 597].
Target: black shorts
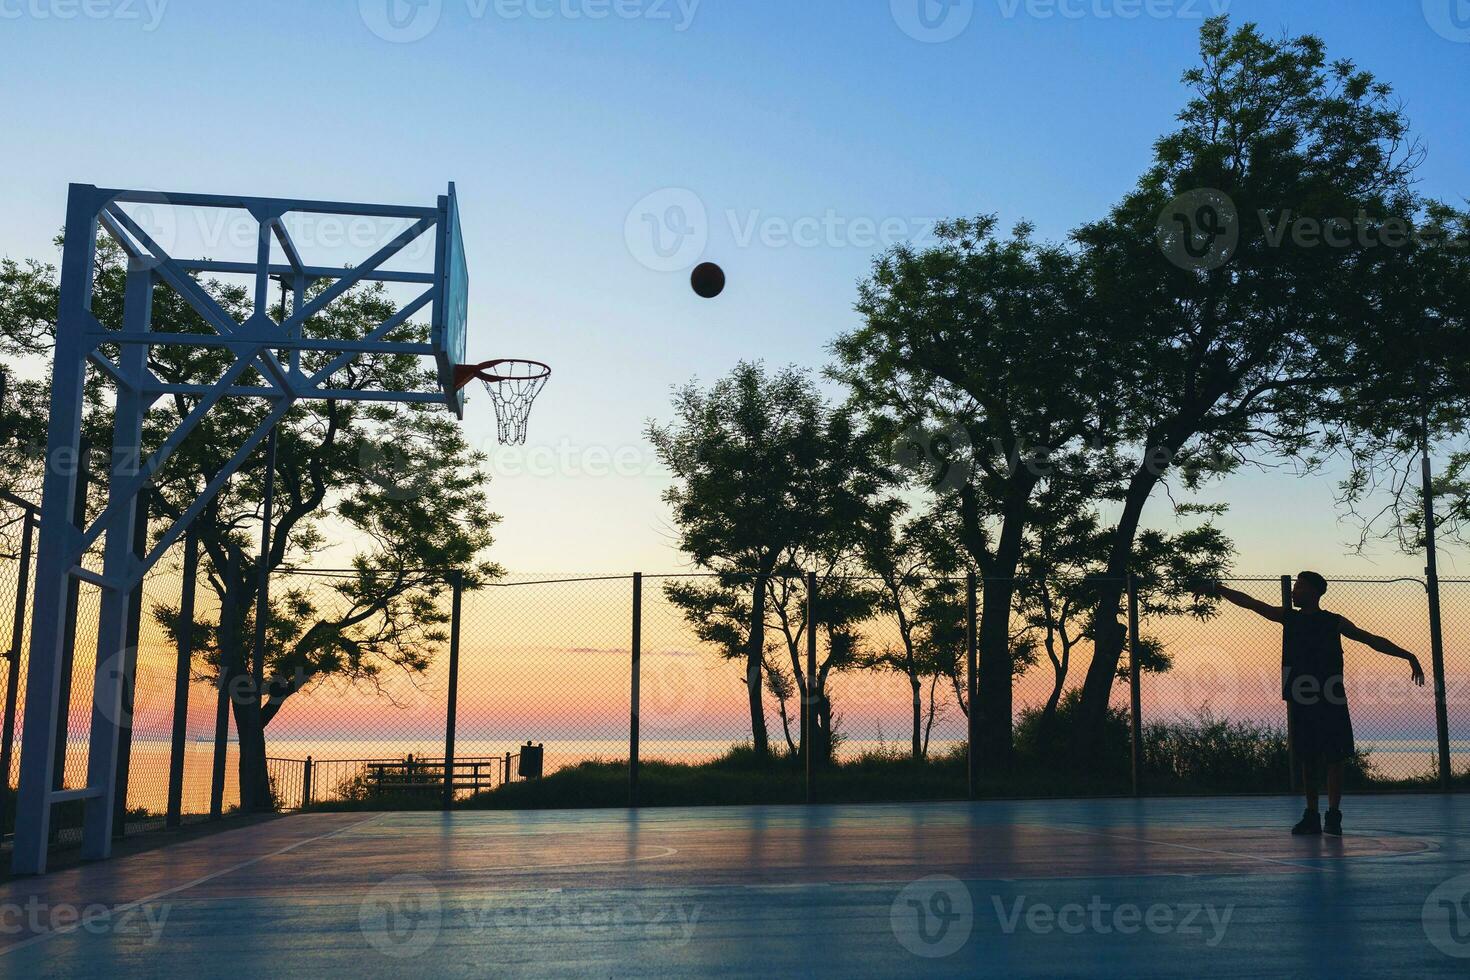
[1321, 731]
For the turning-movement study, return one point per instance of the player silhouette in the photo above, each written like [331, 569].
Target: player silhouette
[1312, 687]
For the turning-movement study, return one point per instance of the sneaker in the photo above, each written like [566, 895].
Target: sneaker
[1333, 824]
[1310, 825]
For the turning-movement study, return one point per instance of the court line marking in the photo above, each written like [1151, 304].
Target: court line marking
[129, 906]
[1185, 847]
[523, 868]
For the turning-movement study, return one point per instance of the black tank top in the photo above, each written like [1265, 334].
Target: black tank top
[1311, 657]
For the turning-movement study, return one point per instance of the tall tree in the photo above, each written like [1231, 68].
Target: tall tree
[766, 475]
[979, 360]
[1224, 274]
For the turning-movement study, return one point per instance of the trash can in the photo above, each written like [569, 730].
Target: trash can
[530, 764]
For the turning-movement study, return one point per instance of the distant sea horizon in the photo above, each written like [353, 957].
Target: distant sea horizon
[148, 774]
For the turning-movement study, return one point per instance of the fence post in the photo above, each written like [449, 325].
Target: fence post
[1293, 779]
[69, 621]
[972, 685]
[221, 749]
[17, 637]
[1135, 693]
[134, 627]
[179, 735]
[1436, 624]
[306, 784]
[228, 621]
[453, 711]
[636, 693]
[809, 714]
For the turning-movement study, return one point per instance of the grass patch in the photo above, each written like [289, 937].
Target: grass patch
[1196, 756]
[740, 777]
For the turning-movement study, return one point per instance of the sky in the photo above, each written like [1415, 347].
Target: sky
[791, 142]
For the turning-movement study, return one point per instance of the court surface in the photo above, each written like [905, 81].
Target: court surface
[1181, 887]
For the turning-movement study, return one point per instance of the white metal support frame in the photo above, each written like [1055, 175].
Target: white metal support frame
[254, 344]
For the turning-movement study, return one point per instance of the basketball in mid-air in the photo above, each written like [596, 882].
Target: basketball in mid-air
[708, 280]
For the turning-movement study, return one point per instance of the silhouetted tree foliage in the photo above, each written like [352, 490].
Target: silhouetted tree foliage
[1238, 358]
[979, 361]
[768, 482]
[1410, 383]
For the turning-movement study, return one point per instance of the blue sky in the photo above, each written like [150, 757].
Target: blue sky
[798, 138]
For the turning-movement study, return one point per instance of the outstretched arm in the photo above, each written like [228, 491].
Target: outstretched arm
[1383, 646]
[1273, 613]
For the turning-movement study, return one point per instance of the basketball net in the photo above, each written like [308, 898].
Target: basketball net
[513, 385]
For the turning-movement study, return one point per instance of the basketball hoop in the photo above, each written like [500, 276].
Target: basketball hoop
[513, 384]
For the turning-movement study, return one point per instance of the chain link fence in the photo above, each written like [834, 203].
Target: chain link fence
[551, 661]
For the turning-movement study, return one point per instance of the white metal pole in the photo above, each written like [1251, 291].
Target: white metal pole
[115, 660]
[54, 555]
